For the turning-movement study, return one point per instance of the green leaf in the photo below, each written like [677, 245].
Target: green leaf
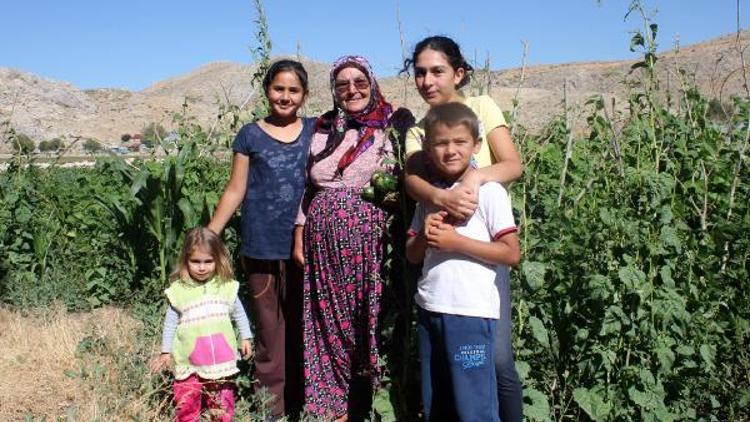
[668, 237]
[138, 183]
[640, 398]
[708, 353]
[631, 277]
[666, 358]
[539, 409]
[23, 215]
[187, 212]
[654, 29]
[685, 350]
[636, 41]
[538, 331]
[593, 403]
[523, 369]
[665, 273]
[534, 272]
[647, 378]
[637, 65]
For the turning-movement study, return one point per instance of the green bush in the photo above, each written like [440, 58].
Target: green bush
[91, 145]
[22, 144]
[56, 243]
[52, 145]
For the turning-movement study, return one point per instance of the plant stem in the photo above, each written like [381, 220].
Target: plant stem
[568, 145]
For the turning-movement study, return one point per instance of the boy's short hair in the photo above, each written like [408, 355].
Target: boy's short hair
[451, 115]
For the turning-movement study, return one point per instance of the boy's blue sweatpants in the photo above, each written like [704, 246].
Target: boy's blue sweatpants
[458, 369]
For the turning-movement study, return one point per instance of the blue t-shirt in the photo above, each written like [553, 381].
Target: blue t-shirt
[275, 184]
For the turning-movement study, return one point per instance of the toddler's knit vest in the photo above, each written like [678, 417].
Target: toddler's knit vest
[205, 343]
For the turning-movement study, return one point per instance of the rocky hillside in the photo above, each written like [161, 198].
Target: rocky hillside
[44, 109]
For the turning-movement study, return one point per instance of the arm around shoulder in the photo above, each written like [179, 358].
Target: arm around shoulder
[508, 166]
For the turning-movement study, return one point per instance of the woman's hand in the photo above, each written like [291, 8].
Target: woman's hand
[246, 347]
[160, 363]
[298, 251]
[460, 202]
[472, 180]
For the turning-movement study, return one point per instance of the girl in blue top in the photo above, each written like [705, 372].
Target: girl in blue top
[268, 178]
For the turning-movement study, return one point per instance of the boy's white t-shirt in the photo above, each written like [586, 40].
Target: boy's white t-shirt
[458, 284]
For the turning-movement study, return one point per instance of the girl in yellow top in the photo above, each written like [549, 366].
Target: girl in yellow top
[440, 70]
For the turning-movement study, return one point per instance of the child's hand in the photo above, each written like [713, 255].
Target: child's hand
[461, 201]
[433, 220]
[441, 235]
[246, 348]
[160, 363]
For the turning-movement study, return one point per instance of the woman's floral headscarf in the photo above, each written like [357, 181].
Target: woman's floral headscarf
[337, 121]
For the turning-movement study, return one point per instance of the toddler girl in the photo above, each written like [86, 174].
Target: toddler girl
[198, 336]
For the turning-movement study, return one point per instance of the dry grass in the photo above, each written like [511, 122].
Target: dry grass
[74, 366]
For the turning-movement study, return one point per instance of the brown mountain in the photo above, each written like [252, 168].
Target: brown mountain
[44, 109]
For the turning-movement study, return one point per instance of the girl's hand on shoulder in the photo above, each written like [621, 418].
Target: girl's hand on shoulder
[460, 202]
[472, 181]
[246, 347]
[160, 363]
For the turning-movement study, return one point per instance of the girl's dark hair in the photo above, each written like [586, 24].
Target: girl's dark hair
[446, 46]
[286, 66]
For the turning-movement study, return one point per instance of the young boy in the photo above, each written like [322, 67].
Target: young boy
[457, 297]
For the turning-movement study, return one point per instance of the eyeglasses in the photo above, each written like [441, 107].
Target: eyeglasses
[341, 86]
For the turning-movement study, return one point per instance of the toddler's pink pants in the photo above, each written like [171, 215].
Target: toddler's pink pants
[192, 393]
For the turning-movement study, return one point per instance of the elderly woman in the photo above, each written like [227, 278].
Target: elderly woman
[339, 240]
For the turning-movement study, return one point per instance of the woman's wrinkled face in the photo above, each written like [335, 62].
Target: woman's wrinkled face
[352, 89]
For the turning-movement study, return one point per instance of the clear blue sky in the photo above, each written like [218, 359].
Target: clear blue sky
[132, 44]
